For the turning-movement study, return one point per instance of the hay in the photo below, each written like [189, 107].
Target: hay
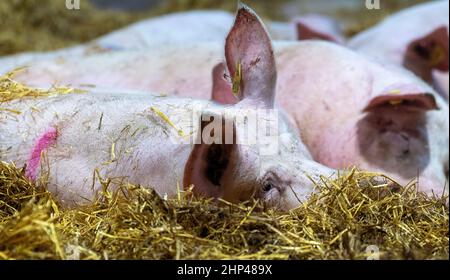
[47, 24]
[12, 90]
[338, 222]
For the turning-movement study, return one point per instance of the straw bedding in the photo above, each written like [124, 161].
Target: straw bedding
[339, 221]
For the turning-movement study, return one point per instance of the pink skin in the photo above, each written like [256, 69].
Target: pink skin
[221, 91]
[374, 131]
[391, 125]
[43, 143]
[409, 38]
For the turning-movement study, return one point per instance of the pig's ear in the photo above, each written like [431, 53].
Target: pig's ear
[250, 59]
[318, 27]
[222, 91]
[441, 83]
[428, 53]
[402, 99]
[214, 152]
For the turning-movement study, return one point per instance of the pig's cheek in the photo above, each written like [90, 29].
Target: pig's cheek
[441, 83]
[339, 153]
[272, 199]
[430, 183]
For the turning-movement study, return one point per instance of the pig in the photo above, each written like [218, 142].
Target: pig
[204, 26]
[357, 111]
[349, 109]
[416, 38]
[130, 136]
[319, 27]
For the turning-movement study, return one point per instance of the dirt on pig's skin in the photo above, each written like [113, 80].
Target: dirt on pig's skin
[39, 25]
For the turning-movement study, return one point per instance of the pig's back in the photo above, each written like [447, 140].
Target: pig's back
[172, 29]
[171, 70]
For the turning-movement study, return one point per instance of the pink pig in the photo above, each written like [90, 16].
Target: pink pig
[416, 38]
[349, 109]
[357, 111]
[320, 27]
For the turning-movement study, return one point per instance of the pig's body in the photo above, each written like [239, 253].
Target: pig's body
[167, 31]
[163, 70]
[325, 100]
[12, 62]
[87, 127]
[390, 39]
[171, 29]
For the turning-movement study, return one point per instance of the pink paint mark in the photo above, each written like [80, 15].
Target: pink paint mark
[45, 141]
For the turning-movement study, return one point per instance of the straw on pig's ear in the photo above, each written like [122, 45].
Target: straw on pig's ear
[250, 59]
[428, 53]
[212, 156]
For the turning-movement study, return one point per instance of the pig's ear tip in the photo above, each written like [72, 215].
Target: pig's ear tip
[241, 5]
[243, 8]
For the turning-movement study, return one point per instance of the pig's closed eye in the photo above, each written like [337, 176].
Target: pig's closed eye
[446, 170]
[268, 186]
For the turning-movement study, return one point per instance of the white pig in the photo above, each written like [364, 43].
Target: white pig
[130, 136]
[349, 109]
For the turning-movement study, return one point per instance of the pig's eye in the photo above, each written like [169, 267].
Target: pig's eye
[268, 186]
[446, 170]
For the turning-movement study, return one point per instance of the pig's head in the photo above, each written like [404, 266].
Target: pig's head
[273, 167]
[404, 134]
[429, 54]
